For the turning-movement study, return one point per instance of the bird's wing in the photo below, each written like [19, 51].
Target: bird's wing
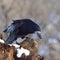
[10, 28]
[13, 26]
[12, 37]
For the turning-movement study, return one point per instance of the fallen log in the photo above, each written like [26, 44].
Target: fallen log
[9, 52]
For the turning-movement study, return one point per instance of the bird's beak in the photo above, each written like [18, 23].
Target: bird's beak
[39, 35]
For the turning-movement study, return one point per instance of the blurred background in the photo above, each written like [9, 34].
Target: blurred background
[44, 12]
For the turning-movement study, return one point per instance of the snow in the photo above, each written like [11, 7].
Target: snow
[15, 45]
[21, 51]
[2, 41]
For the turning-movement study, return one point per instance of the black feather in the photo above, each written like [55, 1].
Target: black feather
[20, 28]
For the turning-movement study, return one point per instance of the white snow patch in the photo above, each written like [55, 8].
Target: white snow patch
[2, 41]
[15, 45]
[21, 51]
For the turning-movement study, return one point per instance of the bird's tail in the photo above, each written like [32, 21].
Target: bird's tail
[11, 38]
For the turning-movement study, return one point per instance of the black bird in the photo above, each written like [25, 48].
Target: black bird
[22, 28]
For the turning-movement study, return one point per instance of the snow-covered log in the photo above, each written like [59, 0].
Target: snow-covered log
[17, 52]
